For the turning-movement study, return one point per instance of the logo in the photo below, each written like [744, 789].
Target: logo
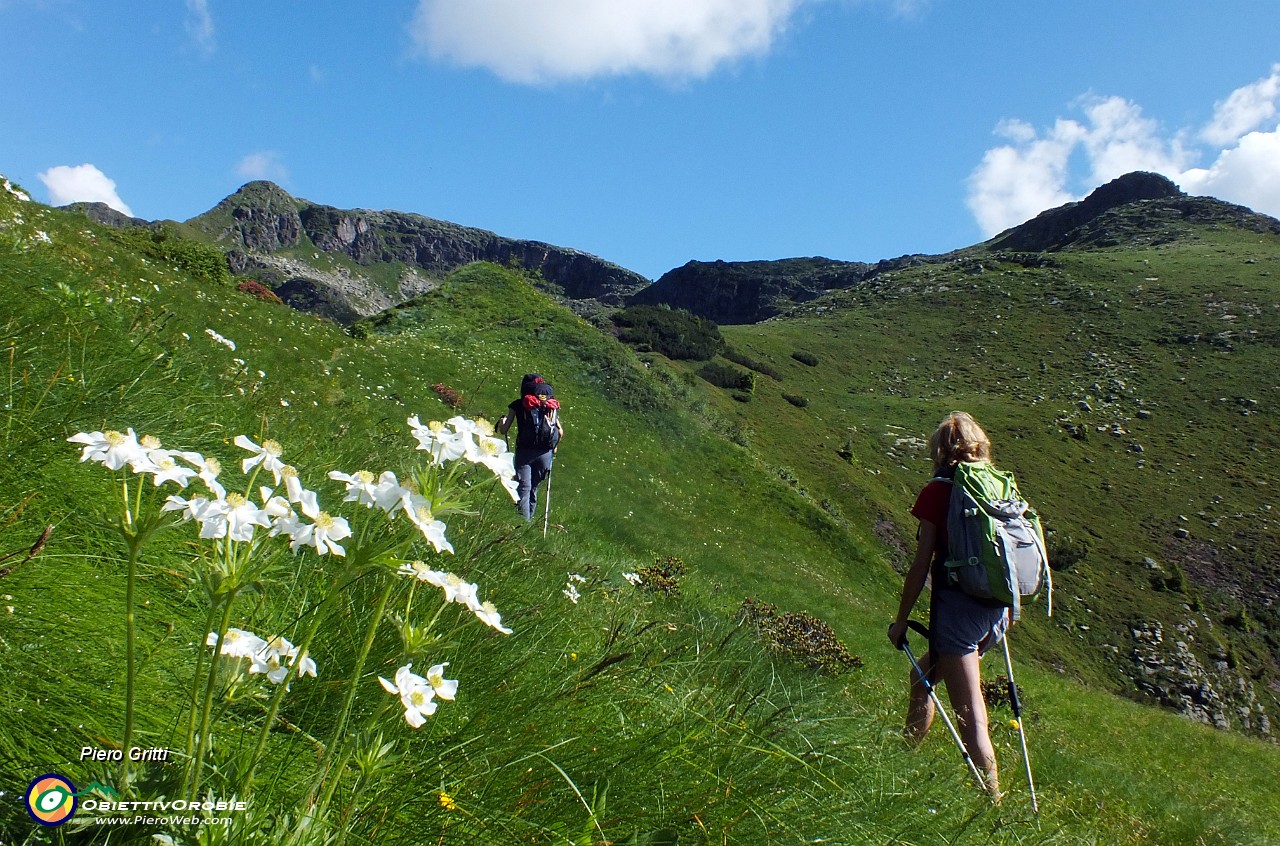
[51, 799]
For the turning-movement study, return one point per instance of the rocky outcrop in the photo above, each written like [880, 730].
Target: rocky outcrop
[261, 220]
[1136, 209]
[1167, 670]
[749, 291]
[107, 216]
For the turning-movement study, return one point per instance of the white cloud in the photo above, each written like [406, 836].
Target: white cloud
[557, 40]
[264, 164]
[82, 184]
[1248, 174]
[200, 25]
[1245, 110]
[1037, 170]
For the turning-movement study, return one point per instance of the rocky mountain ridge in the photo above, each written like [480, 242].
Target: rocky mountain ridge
[1134, 209]
[387, 256]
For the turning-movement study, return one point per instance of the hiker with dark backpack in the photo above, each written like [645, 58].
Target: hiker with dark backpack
[969, 612]
[538, 431]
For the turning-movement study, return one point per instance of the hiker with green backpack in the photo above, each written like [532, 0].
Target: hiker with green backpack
[982, 549]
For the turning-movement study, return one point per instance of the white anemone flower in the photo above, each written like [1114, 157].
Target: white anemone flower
[237, 643]
[296, 493]
[268, 455]
[111, 448]
[168, 470]
[234, 517]
[493, 454]
[489, 615]
[422, 571]
[456, 589]
[207, 471]
[419, 513]
[389, 494]
[443, 444]
[323, 534]
[416, 695]
[361, 486]
[444, 688]
[270, 660]
[191, 508]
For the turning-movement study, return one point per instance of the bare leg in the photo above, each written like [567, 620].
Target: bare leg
[920, 710]
[963, 678]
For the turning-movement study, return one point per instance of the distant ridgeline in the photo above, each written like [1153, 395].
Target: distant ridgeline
[347, 264]
[1138, 209]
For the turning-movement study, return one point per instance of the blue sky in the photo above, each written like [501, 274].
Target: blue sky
[648, 132]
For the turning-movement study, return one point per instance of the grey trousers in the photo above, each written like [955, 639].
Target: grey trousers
[531, 468]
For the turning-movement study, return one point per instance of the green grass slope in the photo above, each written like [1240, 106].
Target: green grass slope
[1133, 391]
[629, 716]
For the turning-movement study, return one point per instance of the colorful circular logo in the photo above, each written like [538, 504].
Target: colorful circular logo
[51, 799]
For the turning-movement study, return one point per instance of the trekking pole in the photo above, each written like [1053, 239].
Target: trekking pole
[546, 517]
[937, 703]
[1017, 715]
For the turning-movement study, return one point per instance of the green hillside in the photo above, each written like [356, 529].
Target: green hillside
[1132, 392]
[642, 714]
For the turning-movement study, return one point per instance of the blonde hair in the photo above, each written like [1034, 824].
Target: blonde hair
[958, 438]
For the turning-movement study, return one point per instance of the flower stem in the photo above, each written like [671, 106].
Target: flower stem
[278, 696]
[130, 658]
[355, 678]
[195, 680]
[207, 706]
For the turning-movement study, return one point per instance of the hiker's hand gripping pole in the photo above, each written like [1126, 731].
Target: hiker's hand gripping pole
[937, 703]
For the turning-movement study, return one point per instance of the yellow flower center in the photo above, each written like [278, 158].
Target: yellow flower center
[424, 514]
[324, 521]
[114, 438]
[289, 471]
[236, 500]
[417, 698]
[213, 465]
[484, 427]
[150, 442]
[489, 447]
[167, 464]
[272, 448]
[364, 477]
[436, 427]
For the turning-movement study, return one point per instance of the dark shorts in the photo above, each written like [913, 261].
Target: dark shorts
[960, 624]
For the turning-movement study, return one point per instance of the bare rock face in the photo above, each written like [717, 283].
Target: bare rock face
[749, 291]
[262, 219]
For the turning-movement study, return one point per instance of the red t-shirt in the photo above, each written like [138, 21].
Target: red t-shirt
[931, 506]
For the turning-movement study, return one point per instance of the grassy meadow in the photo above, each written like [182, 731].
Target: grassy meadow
[639, 713]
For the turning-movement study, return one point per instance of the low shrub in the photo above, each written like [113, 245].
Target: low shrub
[751, 363]
[663, 576]
[796, 400]
[259, 291]
[728, 376]
[805, 358]
[674, 332]
[448, 396]
[800, 637]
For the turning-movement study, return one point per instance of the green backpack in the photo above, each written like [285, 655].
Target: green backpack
[996, 543]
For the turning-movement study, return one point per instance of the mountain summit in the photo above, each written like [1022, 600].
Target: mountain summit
[1138, 207]
[350, 263]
